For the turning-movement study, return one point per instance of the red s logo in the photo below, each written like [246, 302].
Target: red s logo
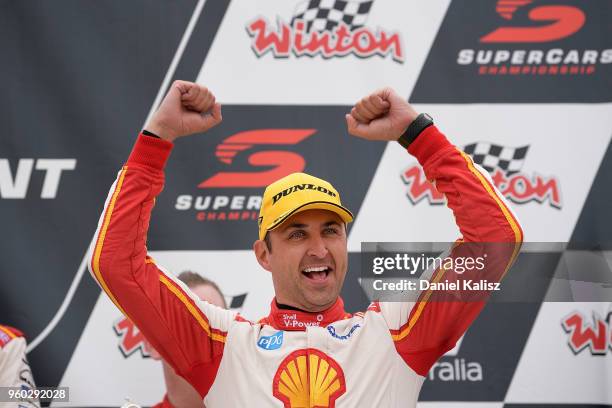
[284, 162]
[564, 21]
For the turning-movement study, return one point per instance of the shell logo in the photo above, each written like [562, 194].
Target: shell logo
[308, 378]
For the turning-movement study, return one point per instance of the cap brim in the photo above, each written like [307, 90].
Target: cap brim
[342, 212]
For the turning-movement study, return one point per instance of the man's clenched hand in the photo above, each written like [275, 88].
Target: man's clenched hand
[382, 115]
[187, 108]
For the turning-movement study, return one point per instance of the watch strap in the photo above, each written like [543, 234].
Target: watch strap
[422, 122]
[147, 133]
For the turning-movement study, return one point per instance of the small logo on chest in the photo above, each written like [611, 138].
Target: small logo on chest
[349, 333]
[272, 342]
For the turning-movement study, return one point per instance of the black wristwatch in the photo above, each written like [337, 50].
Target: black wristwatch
[422, 122]
[147, 133]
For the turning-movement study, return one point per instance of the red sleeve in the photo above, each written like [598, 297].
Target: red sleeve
[426, 329]
[190, 334]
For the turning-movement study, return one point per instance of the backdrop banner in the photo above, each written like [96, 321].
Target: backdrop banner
[523, 87]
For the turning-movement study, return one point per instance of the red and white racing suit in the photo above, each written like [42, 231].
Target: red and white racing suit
[14, 367]
[377, 358]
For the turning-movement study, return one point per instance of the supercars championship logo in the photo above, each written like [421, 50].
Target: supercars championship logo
[582, 335]
[329, 28]
[277, 164]
[539, 29]
[504, 164]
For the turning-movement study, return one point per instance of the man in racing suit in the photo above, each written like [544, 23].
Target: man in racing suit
[14, 367]
[308, 352]
[179, 394]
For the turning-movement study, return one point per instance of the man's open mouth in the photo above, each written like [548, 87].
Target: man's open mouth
[316, 273]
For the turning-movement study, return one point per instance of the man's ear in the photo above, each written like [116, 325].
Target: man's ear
[262, 254]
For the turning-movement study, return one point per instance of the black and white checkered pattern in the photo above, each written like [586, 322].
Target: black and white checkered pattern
[492, 156]
[321, 15]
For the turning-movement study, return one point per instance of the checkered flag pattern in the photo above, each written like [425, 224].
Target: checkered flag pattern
[492, 156]
[320, 15]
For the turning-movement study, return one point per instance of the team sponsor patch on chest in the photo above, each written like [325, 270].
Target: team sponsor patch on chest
[272, 342]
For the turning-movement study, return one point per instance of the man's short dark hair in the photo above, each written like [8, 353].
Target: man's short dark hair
[268, 241]
[193, 279]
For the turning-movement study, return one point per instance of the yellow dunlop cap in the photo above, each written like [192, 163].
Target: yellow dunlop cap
[295, 193]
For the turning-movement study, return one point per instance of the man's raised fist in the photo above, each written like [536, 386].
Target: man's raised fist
[382, 115]
[188, 108]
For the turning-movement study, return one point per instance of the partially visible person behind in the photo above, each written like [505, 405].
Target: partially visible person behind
[14, 367]
[179, 393]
